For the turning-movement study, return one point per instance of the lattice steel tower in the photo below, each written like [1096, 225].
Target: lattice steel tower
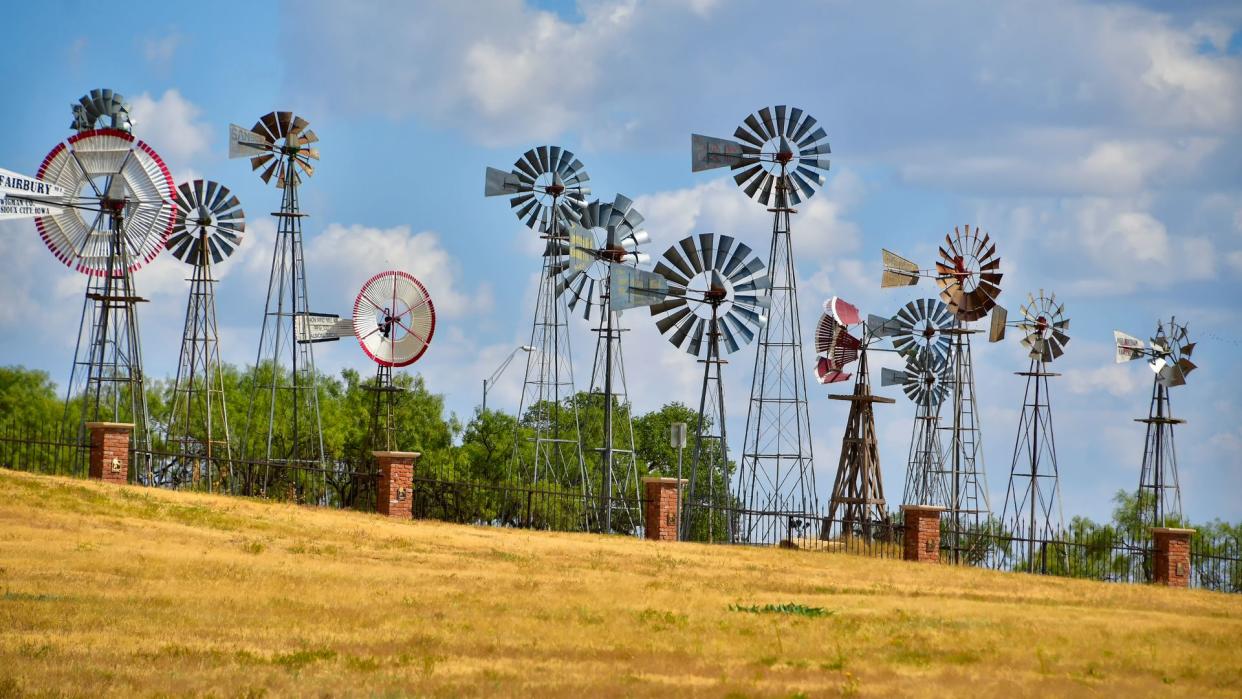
[778, 160]
[968, 274]
[280, 145]
[1033, 499]
[712, 290]
[608, 236]
[547, 189]
[110, 214]
[209, 227]
[919, 335]
[1160, 493]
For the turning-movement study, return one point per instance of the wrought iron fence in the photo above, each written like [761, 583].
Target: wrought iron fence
[45, 449]
[810, 531]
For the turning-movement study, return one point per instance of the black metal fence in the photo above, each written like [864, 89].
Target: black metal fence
[1099, 553]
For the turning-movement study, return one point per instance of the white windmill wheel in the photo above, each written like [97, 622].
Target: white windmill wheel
[394, 318]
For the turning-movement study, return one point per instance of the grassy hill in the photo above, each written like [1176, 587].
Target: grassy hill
[127, 591]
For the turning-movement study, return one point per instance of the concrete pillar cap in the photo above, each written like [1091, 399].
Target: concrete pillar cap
[110, 425]
[922, 508]
[396, 454]
[1172, 530]
[662, 479]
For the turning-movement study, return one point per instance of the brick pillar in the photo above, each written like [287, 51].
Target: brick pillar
[109, 461]
[922, 533]
[661, 507]
[395, 489]
[1171, 562]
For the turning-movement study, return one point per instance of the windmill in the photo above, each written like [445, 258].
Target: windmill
[706, 294]
[208, 229]
[394, 320]
[968, 274]
[1168, 356]
[920, 331]
[777, 159]
[102, 204]
[547, 189]
[858, 489]
[279, 148]
[608, 235]
[1033, 499]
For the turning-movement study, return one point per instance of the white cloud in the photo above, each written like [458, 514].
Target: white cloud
[342, 258]
[171, 125]
[160, 50]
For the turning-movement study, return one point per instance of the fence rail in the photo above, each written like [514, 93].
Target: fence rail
[1100, 553]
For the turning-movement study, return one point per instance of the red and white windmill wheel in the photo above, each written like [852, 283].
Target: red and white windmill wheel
[394, 318]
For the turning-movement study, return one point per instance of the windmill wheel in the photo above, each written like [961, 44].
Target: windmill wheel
[99, 109]
[108, 174]
[835, 347]
[968, 273]
[1171, 347]
[926, 380]
[1043, 326]
[394, 318]
[281, 142]
[607, 234]
[777, 149]
[920, 327]
[705, 271]
[545, 182]
[209, 223]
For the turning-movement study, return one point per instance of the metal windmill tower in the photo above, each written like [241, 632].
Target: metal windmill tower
[547, 189]
[777, 160]
[394, 321]
[920, 334]
[103, 202]
[208, 229]
[279, 145]
[858, 489]
[1033, 500]
[1168, 355]
[608, 235]
[712, 290]
[969, 278]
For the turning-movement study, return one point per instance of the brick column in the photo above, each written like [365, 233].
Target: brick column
[395, 489]
[661, 507]
[1171, 562]
[109, 460]
[922, 533]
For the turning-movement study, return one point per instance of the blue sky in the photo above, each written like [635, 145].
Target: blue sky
[1098, 143]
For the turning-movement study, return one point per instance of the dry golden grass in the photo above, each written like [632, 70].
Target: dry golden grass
[126, 591]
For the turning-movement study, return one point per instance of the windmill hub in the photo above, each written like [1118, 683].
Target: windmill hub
[555, 190]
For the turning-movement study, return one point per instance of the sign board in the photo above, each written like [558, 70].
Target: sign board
[20, 185]
[244, 142]
[322, 327]
[11, 207]
[677, 435]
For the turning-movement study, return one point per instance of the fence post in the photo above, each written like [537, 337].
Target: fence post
[921, 535]
[394, 493]
[661, 507]
[1171, 564]
[109, 458]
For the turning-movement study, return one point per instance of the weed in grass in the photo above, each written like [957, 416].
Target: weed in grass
[788, 608]
[299, 659]
[253, 546]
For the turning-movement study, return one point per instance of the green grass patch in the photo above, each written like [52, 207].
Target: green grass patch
[787, 608]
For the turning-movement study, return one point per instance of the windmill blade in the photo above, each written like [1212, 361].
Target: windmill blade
[1128, 347]
[707, 153]
[842, 311]
[997, 331]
